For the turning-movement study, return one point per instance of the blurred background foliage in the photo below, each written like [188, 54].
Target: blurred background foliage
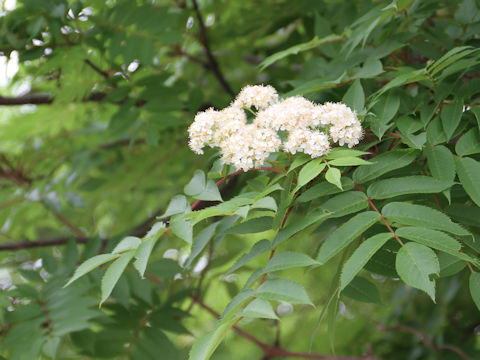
[94, 108]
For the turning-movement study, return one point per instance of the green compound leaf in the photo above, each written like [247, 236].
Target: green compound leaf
[113, 273]
[315, 42]
[251, 226]
[363, 290]
[340, 205]
[178, 205]
[451, 116]
[340, 152]
[416, 263]
[91, 264]
[383, 164]
[310, 171]
[468, 171]
[417, 184]
[283, 290]
[434, 239]
[420, 215]
[257, 249]
[355, 96]
[196, 185]
[361, 256]
[349, 161]
[299, 160]
[441, 164]
[474, 283]
[345, 234]
[204, 347]
[469, 143]
[183, 228]
[143, 252]
[324, 188]
[333, 176]
[287, 260]
[259, 308]
[449, 264]
[202, 189]
[128, 243]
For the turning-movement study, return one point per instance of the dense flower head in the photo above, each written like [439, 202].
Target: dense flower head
[288, 114]
[203, 129]
[257, 96]
[311, 142]
[345, 127]
[308, 127]
[249, 147]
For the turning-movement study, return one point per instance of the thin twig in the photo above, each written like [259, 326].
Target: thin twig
[426, 340]
[75, 230]
[138, 231]
[105, 74]
[272, 351]
[382, 218]
[213, 65]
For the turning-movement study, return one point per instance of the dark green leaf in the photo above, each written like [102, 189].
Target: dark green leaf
[383, 164]
[363, 290]
[419, 215]
[468, 171]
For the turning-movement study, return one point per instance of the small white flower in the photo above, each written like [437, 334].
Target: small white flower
[257, 96]
[311, 142]
[345, 127]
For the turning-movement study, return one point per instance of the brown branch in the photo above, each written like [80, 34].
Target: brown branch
[105, 74]
[271, 351]
[41, 99]
[212, 62]
[382, 218]
[75, 230]
[426, 340]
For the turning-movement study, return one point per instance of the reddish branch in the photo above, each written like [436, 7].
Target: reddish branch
[272, 350]
[374, 208]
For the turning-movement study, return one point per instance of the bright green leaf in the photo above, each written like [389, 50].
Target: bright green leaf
[259, 308]
[113, 273]
[345, 234]
[416, 264]
[333, 176]
[283, 290]
[128, 243]
[91, 264]
[257, 249]
[361, 256]
[287, 260]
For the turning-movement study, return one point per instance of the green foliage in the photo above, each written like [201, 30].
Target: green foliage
[93, 154]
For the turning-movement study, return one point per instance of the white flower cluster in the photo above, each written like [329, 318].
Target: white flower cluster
[308, 127]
